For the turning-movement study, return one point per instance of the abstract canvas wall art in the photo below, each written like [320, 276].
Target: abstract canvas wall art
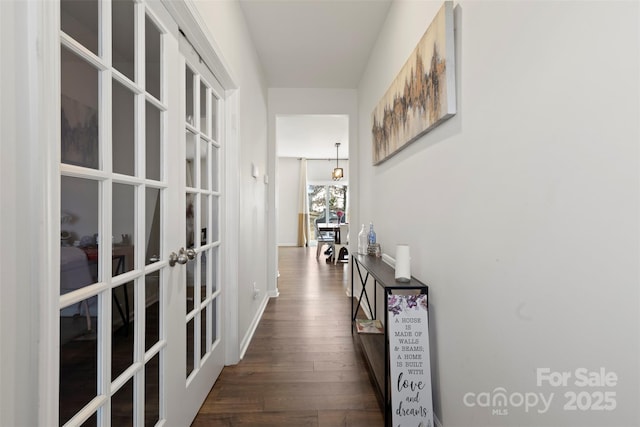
[422, 95]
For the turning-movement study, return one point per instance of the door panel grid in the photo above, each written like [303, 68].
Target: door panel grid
[111, 196]
[202, 197]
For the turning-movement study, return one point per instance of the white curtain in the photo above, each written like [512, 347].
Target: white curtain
[303, 208]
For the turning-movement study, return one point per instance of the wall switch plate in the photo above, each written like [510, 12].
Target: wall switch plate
[266, 178]
[255, 172]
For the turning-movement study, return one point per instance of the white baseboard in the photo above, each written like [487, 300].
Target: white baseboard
[389, 260]
[244, 345]
[273, 294]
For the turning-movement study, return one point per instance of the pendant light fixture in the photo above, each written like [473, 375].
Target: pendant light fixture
[338, 173]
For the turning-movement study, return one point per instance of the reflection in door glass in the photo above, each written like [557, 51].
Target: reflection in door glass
[203, 275]
[123, 47]
[204, 127]
[152, 309]
[79, 115]
[204, 218]
[214, 117]
[122, 405]
[189, 93]
[79, 233]
[123, 130]
[215, 235]
[203, 332]
[190, 344]
[213, 260]
[190, 155]
[153, 137]
[79, 19]
[122, 332]
[215, 152]
[79, 335]
[204, 164]
[152, 225]
[123, 214]
[214, 320]
[190, 282]
[152, 391]
[190, 204]
[152, 58]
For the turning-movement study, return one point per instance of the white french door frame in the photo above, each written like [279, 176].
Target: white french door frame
[195, 30]
[37, 117]
[32, 183]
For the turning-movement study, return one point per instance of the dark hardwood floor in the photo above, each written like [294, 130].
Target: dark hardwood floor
[302, 367]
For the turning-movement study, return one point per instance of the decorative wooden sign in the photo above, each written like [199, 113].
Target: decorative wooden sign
[411, 398]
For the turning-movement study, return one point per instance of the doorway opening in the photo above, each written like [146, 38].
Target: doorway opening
[307, 155]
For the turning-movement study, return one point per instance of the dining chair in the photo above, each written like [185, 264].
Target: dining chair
[344, 242]
[323, 238]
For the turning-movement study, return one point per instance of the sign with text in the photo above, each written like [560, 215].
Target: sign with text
[411, 399]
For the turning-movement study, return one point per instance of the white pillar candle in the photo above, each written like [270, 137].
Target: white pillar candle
[403, 263]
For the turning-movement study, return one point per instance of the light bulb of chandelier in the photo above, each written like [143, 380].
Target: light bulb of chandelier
[337, 174]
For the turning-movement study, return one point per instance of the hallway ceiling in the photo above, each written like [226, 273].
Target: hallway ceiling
[312, 136]
[314, 43]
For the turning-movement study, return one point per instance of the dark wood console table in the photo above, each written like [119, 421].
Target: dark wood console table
[376, 346]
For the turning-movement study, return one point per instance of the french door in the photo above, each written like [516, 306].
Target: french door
[140, 337]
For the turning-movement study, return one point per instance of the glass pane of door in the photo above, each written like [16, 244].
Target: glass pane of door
[123, 41]
[152, 310]
[122, 405]
[204, 116]
[153, 222]
[153, 64]
[123, 129]
[79, 19]
[188, 90]
[79, 104]
[123, 229]
[152, 391]
[153, 134]
[78, 358]
[79, 235]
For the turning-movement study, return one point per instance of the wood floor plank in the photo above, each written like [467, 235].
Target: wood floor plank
[263, 419]
[303, 367]
[294, 389]
[339, 402]
[350, 418]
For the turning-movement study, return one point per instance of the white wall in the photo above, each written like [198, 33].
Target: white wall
[226, 23]
[319, 171]
[522, 210]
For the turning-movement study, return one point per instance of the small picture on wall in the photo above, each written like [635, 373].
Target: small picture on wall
[79, 134]
[422, 95]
